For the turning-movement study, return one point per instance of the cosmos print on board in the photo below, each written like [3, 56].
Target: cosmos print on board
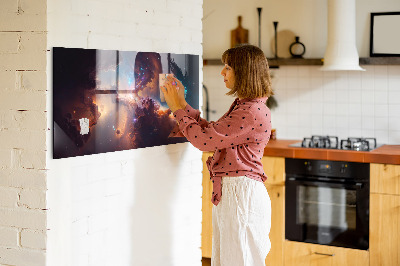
[108, 100]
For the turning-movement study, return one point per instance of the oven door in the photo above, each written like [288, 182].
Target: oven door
[327, 213]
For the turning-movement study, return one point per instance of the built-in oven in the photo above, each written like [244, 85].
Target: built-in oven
[327, 202]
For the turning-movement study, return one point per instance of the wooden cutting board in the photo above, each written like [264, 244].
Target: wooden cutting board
[239, 35]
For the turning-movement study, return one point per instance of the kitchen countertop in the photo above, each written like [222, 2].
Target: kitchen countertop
[389, 154]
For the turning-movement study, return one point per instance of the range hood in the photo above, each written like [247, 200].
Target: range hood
[341, 51]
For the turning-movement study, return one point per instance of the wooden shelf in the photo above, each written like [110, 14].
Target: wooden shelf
[274, 63]
[380, 61]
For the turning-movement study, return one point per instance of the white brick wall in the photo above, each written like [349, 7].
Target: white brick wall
[23, 132]
[136, 207]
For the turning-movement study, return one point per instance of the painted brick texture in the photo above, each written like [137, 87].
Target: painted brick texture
[136, 207]
[23, 218]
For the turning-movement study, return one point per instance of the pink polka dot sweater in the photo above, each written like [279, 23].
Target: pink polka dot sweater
[238, 139]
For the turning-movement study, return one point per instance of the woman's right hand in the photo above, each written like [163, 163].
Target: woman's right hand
[181, 91]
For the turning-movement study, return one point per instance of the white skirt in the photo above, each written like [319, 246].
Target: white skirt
[241, 223]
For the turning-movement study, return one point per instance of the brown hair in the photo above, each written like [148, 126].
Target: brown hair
[250, 66]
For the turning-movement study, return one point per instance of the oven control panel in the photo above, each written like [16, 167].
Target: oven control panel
[338, 169]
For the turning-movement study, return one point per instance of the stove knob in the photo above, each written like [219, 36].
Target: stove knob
[308, 166]
[343, 168]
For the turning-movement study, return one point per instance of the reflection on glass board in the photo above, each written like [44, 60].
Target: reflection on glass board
[105, 101]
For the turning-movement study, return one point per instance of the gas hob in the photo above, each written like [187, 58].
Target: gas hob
[332, 142]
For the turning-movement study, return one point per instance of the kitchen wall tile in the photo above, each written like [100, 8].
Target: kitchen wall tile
[355, 132]
[354, 80]
[380, 84]
[394, 82]
[328, 74]
[292, 83]
[326, 97]
[367, 133]
[394, 110]
[342, 80]
[367, 110]
[381, 110]
[369, 70]
[355, 122]
[304, 72]
[381, 123]
[367, 96]
[329, 93]
[291, 71]
[305, 95]
[381, 97]
[355, 96]
[331, 131]
[342, 109]
[317, 107]
[317, 121]
[317, 95]
[278, 83]
[316, 82]
[394, 97]
[304, 109]
[367, 82]
[393, 71]
[329, 109]
[317, 131]
[394, 123]
[342, 133]
[367, 122]
[394, 137]
[304, 82]
[380, 71]
[342, 122]
[315, 72]
[293, 120]
[278, 71]
[329, 122]
[342, 96]
[355, 109]
[381, 136]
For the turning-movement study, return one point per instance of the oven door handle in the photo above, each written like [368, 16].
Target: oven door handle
[357, 185]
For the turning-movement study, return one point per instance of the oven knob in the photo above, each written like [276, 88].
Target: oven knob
[343, 168]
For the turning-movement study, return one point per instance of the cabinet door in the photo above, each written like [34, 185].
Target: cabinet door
[206, 232]
[277, 233]
[274, 168]
[305, 254]
[384, 236]
[385, 178]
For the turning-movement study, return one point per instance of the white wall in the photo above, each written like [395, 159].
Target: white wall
[135, 207]
[305, 18]
[23, 132]
[311, 102]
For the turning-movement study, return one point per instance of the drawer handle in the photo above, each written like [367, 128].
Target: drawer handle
[325, 254]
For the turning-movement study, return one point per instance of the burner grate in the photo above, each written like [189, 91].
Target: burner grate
[358, 144]
[327, 142]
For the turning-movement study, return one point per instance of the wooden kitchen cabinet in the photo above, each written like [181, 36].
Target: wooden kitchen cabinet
[305, 254]
[384, 236]
[277, 233]
[385, 178]
[274, 168]
[206, 225]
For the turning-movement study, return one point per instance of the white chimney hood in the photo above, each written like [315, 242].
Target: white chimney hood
[341, 51]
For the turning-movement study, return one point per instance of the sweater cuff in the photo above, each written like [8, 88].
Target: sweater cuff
[178, 115]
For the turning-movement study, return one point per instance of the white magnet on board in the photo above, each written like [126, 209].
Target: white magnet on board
[84, 123]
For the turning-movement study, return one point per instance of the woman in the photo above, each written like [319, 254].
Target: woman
[242, 208]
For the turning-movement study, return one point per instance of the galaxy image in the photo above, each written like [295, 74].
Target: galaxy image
[109, 100]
